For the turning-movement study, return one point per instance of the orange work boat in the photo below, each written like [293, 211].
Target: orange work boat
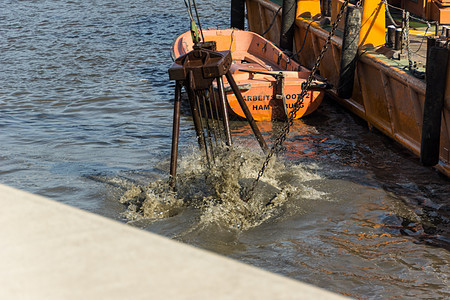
[267, 78]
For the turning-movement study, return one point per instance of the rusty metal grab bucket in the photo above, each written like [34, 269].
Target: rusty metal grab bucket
[196, 71]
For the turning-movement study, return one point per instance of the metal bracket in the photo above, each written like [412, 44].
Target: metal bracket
[280, 82]
[280, 91]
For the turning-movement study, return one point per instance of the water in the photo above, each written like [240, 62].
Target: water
[86, 112]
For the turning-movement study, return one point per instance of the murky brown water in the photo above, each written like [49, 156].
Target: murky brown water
[86, 112]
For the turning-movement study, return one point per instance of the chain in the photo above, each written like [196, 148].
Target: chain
[287, 126]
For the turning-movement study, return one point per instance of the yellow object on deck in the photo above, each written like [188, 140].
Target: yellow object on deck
[308, 8]
[373, 24]
[385, 95]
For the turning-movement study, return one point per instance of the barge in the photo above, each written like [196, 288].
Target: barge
[261, 79]
[387, 92]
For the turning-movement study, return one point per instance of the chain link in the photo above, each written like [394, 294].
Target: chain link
[287, 126]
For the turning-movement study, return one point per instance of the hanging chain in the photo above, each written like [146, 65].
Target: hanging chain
[290, 121]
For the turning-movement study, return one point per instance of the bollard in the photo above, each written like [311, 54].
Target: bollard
[436, 77]
[390, 36]
[398, 39]
[288, 25]
[349, 51]
[447, 31]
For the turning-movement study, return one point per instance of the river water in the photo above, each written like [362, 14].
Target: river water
[86, 116]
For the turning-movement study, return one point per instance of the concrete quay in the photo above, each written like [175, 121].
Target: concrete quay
[53, 251]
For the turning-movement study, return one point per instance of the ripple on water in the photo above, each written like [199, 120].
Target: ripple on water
[86, 113]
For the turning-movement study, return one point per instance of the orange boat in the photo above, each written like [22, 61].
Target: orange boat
[266, 77]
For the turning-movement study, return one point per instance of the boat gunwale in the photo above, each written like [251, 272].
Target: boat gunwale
[282, 64]
[417, 84]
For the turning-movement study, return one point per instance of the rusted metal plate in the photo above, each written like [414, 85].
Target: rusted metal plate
[386, 96]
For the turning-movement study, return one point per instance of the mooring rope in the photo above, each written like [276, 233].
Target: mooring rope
[409, 17]
[386, 5]
[273, 21]
[406, 19]
[391, 18]
[408, 42]
[304, 41]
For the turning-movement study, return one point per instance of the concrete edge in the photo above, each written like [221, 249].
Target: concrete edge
[53, 251]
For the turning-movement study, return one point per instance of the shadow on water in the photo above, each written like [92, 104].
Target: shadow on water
[352, 207]
[423, 192]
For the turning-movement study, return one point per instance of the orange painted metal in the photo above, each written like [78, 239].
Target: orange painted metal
[257, 63]
[386, 96]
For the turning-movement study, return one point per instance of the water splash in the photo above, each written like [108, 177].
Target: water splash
[217, 191]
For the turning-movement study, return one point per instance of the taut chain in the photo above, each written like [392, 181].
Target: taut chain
[290, 121]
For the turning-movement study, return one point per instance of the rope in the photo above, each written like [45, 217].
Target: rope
[304, 41]
[386, 5]
[273, 21]
[428, 23]
[423, 39]
[408, 46]
[406, 35]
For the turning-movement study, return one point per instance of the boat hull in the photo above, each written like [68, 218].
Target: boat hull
[386, 96]
[257, 64]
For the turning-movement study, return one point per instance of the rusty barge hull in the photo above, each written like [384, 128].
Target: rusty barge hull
[387, 97]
